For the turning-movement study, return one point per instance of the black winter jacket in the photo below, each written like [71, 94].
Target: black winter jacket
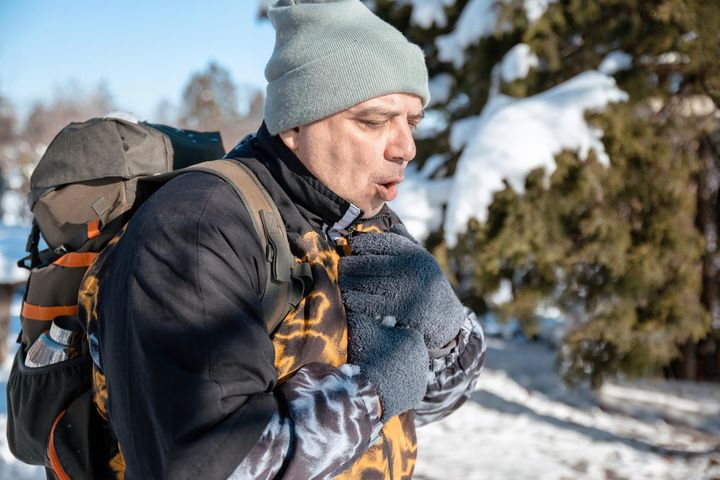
[194, 385]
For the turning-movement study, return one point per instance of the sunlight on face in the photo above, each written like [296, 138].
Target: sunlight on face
[361, 153]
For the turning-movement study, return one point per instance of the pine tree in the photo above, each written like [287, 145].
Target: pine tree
[210, 103]
[72, 104]
[625, 251]
[7, 121]
[209, 99]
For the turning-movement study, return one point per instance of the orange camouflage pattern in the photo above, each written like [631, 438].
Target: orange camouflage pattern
[316, 331]
[88, 301]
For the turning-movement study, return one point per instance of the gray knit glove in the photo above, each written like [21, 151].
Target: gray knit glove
[394, 359]
[389, 274]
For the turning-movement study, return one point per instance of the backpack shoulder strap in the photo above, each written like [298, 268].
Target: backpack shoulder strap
[286, 280]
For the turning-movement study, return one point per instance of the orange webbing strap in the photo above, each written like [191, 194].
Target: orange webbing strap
[93, 229]
[37, 312]
[55, 464]
[76, 259]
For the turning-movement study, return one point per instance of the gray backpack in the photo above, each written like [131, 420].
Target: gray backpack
[85, 188]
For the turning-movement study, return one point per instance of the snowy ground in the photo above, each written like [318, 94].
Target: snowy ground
[523, 423]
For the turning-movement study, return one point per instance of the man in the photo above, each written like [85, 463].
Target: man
[196, 386]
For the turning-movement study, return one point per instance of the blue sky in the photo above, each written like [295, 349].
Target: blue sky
[144, 51]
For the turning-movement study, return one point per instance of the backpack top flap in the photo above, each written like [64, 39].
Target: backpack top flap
[111, 147]
[101, 148]
[89, 170]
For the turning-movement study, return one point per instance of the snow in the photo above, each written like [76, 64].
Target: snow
[503, 294]
[478, 20]
[522, 422]
[670, 58]
[615, 62]
[426, 12]
[434, 122]
[666, 58]
[12, 248]
[534, 9]
[513, 136]
[14, 208]
[10, 467]
[421, 199]
[689, 36]
[696, 405]
[463, 129]
[440, 86]
[121, 115]
[517, 62]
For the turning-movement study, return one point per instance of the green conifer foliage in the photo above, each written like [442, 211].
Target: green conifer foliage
[621, 250]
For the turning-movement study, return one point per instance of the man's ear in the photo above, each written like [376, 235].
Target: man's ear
[291, 138]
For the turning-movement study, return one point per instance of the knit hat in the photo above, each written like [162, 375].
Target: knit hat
[332, 54]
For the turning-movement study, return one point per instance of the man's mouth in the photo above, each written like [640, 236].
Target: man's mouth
[388, 191]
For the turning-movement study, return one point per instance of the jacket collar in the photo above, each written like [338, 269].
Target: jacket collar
[319, 204]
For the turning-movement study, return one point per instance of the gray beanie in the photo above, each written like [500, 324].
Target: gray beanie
[332, 54]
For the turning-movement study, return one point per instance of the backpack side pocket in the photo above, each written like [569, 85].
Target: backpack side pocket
[35, 398]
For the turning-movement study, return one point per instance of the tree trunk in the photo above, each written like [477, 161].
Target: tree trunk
[708, 221]
[701, 360]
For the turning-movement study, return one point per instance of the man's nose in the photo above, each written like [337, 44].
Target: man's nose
[401, 144]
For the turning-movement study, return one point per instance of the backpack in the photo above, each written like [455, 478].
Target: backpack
[84, 190]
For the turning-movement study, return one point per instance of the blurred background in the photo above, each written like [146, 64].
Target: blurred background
[567, 180]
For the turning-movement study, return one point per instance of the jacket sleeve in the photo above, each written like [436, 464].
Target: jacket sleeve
[332, 416]
[192, 386]
[454, 374]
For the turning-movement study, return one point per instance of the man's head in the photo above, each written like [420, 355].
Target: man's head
[344, 91]
[360, 153]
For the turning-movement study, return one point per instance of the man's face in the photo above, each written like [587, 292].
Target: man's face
[361, 153]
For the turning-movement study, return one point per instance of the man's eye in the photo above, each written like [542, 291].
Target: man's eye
[372, 123]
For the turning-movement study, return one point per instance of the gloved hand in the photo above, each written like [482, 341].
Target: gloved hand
[389, 274]
[395, 360]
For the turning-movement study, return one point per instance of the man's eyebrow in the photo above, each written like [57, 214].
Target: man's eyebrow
[384, 112]
[379, 111]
